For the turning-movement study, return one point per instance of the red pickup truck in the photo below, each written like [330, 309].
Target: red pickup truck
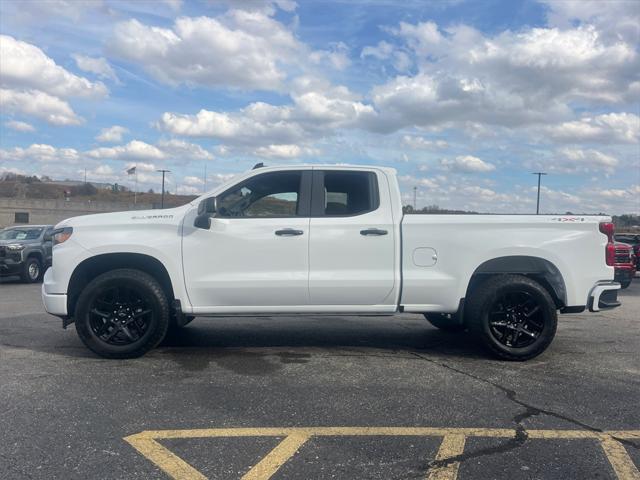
[625, 264]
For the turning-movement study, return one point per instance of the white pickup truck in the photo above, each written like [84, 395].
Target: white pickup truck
[325, 240]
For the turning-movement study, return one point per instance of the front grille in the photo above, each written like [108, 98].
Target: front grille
[623, 255]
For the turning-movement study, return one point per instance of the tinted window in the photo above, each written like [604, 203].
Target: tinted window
[269, 195]
[350, 193]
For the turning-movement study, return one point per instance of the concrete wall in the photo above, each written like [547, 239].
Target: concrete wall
[52, 211]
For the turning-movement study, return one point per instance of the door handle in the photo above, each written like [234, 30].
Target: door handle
[288, 232]
[373, 231]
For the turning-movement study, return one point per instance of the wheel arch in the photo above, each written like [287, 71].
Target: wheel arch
[96, 265]
[538, 268]
[36, 254]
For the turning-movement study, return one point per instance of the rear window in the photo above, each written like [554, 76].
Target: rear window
[349, 193]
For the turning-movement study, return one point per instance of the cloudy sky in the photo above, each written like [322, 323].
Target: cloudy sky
[464, 98]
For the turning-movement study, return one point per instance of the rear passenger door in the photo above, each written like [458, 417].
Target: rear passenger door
[351, 244]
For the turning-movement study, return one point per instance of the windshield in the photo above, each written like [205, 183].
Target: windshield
[20, 234]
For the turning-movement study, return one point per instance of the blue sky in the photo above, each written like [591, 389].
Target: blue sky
[463, 98]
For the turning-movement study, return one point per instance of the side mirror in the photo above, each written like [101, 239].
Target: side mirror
[47, 237]
[206, 210]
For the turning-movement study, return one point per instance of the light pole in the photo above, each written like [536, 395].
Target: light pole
[415, 190]
[538, 202]
[162, 197]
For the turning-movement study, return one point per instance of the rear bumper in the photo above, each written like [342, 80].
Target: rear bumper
[54, 303]
[604, 296]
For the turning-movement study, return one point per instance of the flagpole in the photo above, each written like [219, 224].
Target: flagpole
[135, 190]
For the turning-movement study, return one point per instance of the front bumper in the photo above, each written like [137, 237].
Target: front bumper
[604, 296]
[54, 303]
[624, 273]
[10, 266]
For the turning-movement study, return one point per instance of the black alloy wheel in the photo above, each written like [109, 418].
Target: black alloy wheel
[120, 315]
[514, 316]
[516, 319]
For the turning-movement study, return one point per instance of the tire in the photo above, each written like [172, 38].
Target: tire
[123, 313]
[513, 316]
[625, 283]
[31, 270]
[444, 322]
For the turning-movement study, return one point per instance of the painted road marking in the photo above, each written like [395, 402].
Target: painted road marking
[453, 442]
[452, 445]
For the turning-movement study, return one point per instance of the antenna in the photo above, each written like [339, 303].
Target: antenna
[258, 165]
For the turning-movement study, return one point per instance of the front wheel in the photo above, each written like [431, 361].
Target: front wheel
[123, 313]
[513, 315]
[32, 270]
[625, 283]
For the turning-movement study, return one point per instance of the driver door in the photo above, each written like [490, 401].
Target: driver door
[255, 256]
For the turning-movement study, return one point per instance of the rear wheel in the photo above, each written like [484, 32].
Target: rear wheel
[444, 322]
[625, 283]
[32, 270]
[513, 315]
[122, 314]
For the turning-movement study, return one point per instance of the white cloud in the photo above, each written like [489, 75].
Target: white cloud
[41, 153]
[40, 105]
[173, 150]
[103, 171]
[19, 126]
[25, 66]
[33, 84]
[318, 108]
[174, 5]
[578, 160]
[615, 18]
[98, 66]
[112, 134]
[192, 181]
[283, 151]
[606, 128]
[242, 49]
[421, 143]
[182, 150]
[532, 76]
[337, 57]
[400, 59]
[467, 164]
[135, 150]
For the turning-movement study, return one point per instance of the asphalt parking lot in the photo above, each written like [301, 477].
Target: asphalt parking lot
[319, 397]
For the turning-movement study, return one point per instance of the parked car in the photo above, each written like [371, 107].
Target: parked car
[325, 240]
[25, 251]
[633, 240]
[625, 265]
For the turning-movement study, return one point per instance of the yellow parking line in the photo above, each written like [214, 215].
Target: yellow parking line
[619, 459]
[170, 463]
[452, 445]
[270, 464]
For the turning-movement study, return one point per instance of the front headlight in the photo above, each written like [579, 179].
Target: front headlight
[15, 247]
[61, 235]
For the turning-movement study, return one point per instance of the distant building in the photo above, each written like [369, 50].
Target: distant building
[15, 211]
